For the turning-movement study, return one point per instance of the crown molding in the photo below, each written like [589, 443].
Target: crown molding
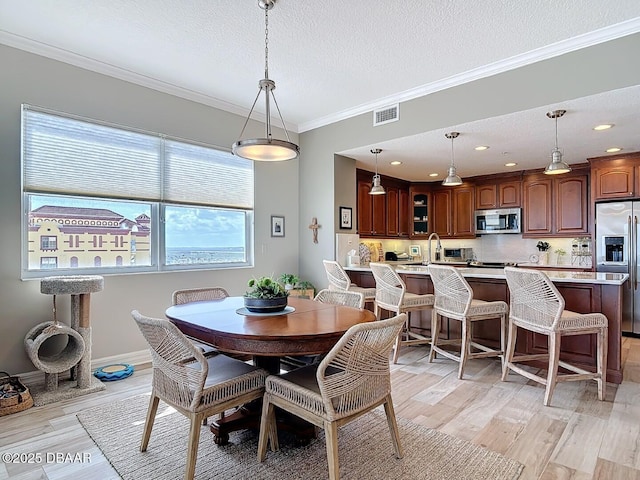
[595, 37]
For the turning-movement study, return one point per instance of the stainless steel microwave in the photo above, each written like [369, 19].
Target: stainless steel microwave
[501, 220]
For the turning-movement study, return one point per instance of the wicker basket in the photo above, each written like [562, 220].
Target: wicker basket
[20, 398]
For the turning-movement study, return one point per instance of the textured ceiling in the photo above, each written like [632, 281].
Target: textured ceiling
[332, 59]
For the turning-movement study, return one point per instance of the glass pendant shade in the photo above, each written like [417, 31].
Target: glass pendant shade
[266, 149]
[557, 165]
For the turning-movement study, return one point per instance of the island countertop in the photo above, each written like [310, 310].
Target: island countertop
[498, 273]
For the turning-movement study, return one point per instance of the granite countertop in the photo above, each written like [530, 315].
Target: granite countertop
[563, 275]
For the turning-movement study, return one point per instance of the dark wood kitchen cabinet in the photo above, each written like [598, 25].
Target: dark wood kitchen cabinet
[615, 176]
[382, 215]
[420, 211]
[555, 206]
[452, 212]
[498, 195]
[441, 218]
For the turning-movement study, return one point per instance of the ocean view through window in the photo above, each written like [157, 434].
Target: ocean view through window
[101, 199]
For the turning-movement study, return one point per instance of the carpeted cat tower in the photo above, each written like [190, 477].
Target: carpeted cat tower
[75, 355]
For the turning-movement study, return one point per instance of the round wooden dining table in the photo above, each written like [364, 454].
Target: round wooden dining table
[306, 327]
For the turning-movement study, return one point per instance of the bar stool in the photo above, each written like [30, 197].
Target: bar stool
[454, 300]
[538, 306]
[339, 280]
[392, 295]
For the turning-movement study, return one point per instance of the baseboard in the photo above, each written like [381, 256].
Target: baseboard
[139, 359]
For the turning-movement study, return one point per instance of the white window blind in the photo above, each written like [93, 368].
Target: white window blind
[71, 156]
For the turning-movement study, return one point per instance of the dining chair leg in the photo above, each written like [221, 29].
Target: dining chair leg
[602, 362]
[148, 424]
[331, 439]
[465, 347]
[554, 358]
[503, 343]
[509, 352]
[268, 433]
[393, 426]
[376, 310]
[435, 333]
[192, 448]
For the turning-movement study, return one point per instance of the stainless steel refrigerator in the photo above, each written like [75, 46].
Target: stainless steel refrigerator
[617, 250]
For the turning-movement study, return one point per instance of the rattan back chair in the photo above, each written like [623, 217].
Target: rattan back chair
[195, 386]
[339, 280]
[537, 306]
[454, 300]
[392, 295]
[198, 295]
[339, 297]
[352, 379]
[180, 297]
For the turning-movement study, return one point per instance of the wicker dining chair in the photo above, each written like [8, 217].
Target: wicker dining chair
[180, 297]
[339, 280]
[454, 300]
[339, 297]
[352, 379]
[538, 306]
[193, 385]
[392, 295]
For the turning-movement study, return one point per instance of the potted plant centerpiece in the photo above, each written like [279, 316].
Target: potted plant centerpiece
[265, 295]
[289, 280]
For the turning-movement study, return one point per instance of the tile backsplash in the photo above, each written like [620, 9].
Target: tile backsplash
[490, 248]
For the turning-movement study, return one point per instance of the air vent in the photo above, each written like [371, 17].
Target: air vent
[386, 115]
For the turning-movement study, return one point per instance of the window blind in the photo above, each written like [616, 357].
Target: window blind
[71, 156]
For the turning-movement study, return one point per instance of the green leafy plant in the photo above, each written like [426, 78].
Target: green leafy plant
[265, 287]
[306, 285]
[543, 246]
[560, 252]
[289, 279]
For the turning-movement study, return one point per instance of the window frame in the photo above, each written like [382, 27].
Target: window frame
[158, 254]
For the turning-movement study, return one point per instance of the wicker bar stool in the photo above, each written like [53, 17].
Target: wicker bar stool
[339, 280]
[392, 295]
[454, 300]
[538, 306]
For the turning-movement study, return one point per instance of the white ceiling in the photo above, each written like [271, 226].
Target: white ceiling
[338, 58]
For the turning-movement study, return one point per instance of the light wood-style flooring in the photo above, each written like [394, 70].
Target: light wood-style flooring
[578, 437]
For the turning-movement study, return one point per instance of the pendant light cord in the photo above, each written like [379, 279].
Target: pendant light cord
[266, 43]
[452, 164]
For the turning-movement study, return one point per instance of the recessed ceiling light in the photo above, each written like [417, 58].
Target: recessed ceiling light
[604, 126]
[613, 149]
[481, 147]
[433, 174]
[510, 164]
[396, 162]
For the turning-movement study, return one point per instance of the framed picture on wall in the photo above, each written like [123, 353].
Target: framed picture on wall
[345, 217]
[277, 226]
[414, 251]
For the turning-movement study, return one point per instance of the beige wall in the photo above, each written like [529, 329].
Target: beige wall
[28, 78]
[608, 66]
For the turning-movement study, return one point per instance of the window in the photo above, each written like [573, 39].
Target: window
[112, 200]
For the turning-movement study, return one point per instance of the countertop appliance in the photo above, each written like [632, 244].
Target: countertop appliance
[500, 220]
[617, 250]
[458, 254]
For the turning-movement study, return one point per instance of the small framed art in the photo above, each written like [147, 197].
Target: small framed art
[277, 226]
[346, 217]
[414, 251]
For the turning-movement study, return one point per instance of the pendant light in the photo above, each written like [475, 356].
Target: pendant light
[266, 149]
[376, 188]
[452, 178]
[557, 165]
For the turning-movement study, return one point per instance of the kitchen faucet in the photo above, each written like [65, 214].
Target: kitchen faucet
[438, 248]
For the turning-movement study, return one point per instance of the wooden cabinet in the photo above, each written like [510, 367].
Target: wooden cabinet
[382, 215]
[555, 206]
[615, 176]
[498, 195]
[452, 211]
[420, 203]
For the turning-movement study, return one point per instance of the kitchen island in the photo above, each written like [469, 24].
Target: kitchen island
[583, 292]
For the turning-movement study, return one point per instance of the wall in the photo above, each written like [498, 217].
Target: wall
[28, 78]
[607, 66]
